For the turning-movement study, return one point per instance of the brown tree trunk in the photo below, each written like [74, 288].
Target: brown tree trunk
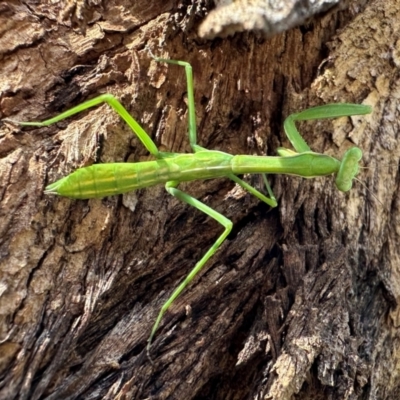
[301, 300]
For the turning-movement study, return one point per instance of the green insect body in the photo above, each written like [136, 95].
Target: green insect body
[102, 180]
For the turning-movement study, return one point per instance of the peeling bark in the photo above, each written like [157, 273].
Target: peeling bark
[301, 302]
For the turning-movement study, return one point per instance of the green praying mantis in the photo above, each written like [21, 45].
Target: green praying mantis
[171, 169]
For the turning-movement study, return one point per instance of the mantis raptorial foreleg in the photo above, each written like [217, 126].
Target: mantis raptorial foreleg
[319, 112]
[172, 168]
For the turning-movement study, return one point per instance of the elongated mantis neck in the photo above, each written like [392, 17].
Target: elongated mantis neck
[306, 165]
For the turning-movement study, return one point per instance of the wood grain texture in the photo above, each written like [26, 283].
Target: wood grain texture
[299, 303]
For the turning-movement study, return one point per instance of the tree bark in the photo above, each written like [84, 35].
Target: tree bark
[301, 301]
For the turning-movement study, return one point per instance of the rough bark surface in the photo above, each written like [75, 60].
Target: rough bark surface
[268, 17]
[300, 303]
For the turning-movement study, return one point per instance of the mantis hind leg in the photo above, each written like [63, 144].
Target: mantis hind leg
[114, 104]
[225, 222]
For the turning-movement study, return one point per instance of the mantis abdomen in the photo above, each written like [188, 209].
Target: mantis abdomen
[101, 180]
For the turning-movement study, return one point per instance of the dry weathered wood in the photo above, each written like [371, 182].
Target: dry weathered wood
[263, 16]
[301, 302]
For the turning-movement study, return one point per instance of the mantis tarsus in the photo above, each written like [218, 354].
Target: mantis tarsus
[102, 180]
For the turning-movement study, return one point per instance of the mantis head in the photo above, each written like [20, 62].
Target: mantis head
[348, 169]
